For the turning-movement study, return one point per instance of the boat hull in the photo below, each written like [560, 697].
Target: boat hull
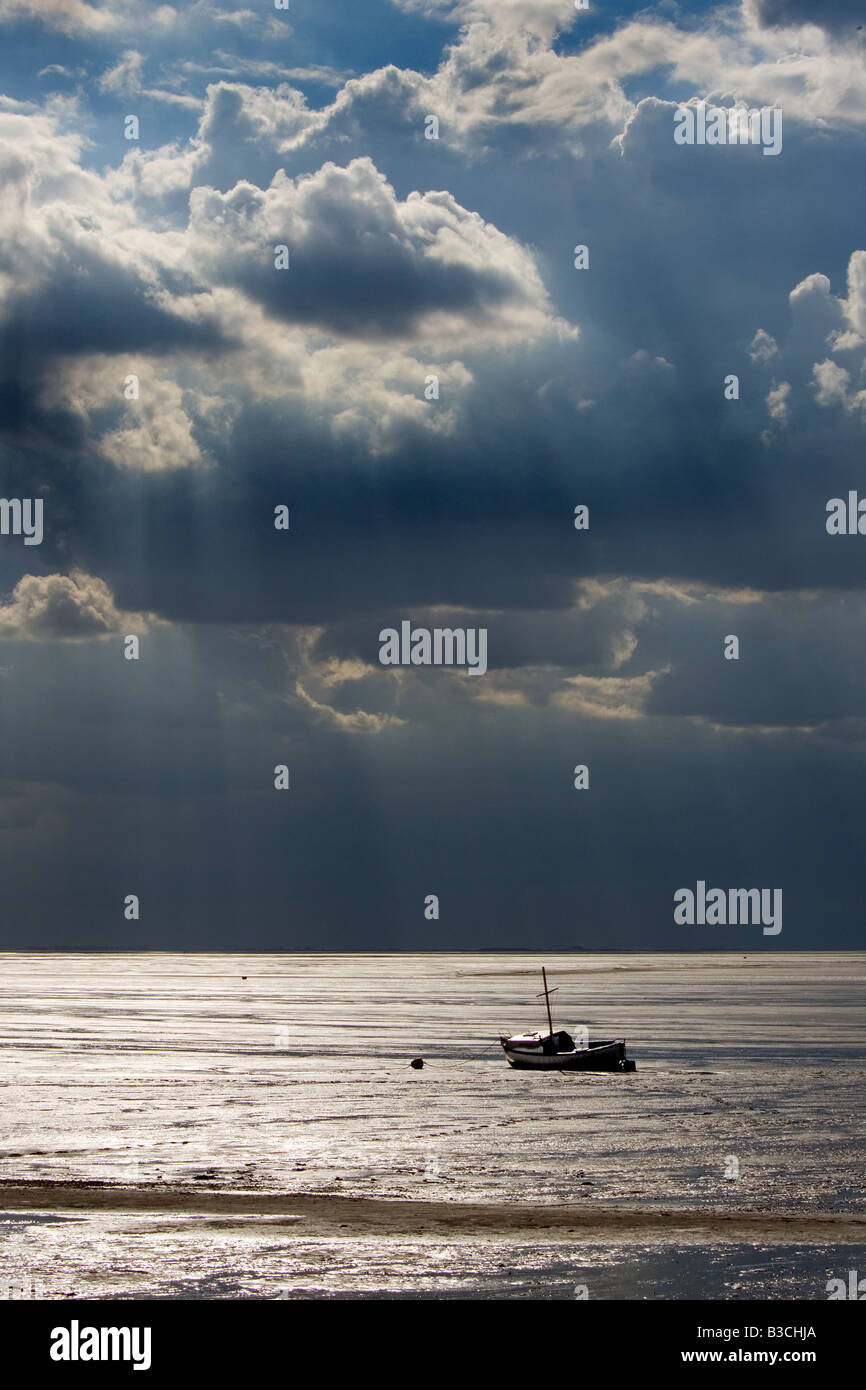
[602, 1056]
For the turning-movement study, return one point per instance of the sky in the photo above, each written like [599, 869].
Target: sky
[307, 388]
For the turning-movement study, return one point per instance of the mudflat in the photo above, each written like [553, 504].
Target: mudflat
[327, 1214]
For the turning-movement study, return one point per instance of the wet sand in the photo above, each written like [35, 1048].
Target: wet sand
[184, 1127]
[328, 1215]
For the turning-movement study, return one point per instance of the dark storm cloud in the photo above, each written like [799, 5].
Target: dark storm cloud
[797, 666]
[306, 388]
[480, 810]
[588, 638]
[679, 483]
[100, 723]
[837, 16]
[92, 306]
[361, 264]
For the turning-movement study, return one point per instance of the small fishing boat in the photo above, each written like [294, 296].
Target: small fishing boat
[558, 1051]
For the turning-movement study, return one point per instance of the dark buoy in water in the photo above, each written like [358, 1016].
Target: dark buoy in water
[417, 1063]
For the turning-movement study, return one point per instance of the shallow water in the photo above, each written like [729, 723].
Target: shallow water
[173, 1068]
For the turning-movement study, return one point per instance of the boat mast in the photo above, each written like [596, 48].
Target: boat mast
[547, 999]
